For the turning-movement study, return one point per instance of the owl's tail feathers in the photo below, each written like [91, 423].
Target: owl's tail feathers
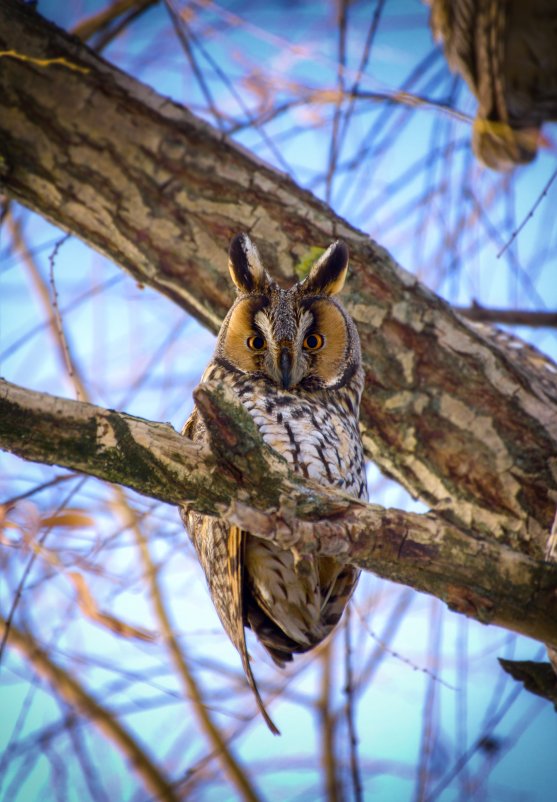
[253, 685]
[337, 585]
[276, 642]
[235, 628]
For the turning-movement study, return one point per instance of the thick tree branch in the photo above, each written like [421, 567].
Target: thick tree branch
[247, 483]
[448, 411]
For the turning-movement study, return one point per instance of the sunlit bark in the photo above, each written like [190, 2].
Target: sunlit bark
[462, 419]
[248, 484]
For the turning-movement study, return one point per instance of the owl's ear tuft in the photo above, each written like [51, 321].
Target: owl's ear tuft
[327, 275]
[244, 263]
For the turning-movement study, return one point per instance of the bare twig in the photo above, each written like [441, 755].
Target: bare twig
[9, 502]
[182, 32]
[341, 65]
[382, 641]
[26, 571]
[50, 304]
[529, 216]
[222, 750]
[431, 716]
[355, 768]
[327, 727]
[489, 728]
[57, 321]
[75, 695]
[371, 33]
[100, 20]
[509, 317]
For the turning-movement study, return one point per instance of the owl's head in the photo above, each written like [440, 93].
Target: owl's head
[297, 338]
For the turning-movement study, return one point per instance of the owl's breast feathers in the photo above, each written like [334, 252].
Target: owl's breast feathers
[289, 610]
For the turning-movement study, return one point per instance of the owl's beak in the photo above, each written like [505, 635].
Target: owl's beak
[285, 367]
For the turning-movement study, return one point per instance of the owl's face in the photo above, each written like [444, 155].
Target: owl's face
[296, 338]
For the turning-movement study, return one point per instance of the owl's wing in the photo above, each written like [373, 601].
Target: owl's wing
[220, 549]
[221, 553]
[236, 629]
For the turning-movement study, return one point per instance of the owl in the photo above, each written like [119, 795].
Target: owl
[292, 358]
[506, 50]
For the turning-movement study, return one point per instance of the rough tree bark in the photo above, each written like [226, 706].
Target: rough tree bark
[461, 418]
[244, 481]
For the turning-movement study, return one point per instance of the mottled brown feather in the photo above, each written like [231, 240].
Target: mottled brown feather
[305, 403]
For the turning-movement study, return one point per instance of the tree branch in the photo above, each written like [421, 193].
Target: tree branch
[99, 21]
[248, 484]
[69, 689]
[509, 317]
[449, 412]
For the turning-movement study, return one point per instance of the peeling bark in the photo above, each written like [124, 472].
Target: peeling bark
[247, 483]
[458, 416]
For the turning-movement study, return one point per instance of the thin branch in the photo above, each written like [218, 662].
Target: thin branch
[49, 303]
[249, 118]
[92, 777]
[9, 502]
[81, 299]
[489, 728]
[57, 317]
[325, 97]
[430, 725]
[182, 32]
[383, 649]
[334, 151]
[27, 570]
[355, 768]
[42, 62]
[529, 216]
[371, 33]
[101, 20]
[75, 695]
[509, 317]
[236, 773]
[222, 750]
[327, 726]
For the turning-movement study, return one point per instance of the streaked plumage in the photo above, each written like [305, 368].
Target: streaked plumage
[506, 50]
[292, 357]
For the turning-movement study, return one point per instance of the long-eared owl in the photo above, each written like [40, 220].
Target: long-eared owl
[292, 358]
[506, 50]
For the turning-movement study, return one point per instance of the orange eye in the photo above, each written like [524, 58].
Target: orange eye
[256, 343]
[314, 342]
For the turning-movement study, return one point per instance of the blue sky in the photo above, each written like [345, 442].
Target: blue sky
[430, 679]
